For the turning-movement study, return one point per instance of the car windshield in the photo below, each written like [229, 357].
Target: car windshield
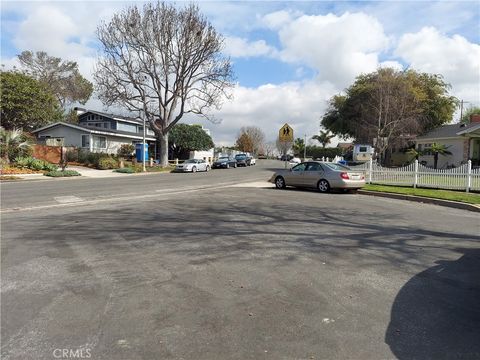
[241, 156]
[223, 158]
[191, 161]
[337, 166]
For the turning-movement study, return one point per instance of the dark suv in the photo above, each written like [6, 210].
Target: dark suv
[242, 160]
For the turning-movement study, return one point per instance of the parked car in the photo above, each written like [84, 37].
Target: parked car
[193, 165]
[253, 161]
[224, 162]
[320, 175]
[242, 160]
[294, 161]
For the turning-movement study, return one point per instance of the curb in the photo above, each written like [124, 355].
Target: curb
[421, 199]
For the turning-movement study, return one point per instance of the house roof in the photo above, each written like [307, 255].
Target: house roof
[450, 131]
[112, 116]
[95, 130]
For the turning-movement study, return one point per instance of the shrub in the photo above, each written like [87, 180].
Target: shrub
[126, 170]
[72, 155]
[36, 164]
[23, 162]
[82, 156]
[105, 163]
[49, 167]
[126, 151]
[66, 173]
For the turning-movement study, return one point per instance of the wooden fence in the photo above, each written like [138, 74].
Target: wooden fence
[417, 175]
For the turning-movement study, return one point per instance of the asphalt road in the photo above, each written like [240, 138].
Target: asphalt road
[240, 272]
[40, 193]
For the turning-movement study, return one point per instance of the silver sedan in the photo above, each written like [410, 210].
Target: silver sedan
[193, 165]
[320, 175]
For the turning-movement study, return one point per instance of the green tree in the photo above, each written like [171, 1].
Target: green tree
[469, 112]
[25, 102]
[384, 107]
[185, 138]
[298, 147]
[324, 138]
[438, 149]
[60, 76]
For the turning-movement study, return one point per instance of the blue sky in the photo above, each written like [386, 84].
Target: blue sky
[289, 57]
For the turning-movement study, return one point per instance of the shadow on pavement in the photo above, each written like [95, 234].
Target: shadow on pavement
[436, 314]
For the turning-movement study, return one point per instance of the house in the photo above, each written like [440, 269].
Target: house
[97, 132]
[462, 140]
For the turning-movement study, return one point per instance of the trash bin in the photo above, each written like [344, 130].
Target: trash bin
[138, 152]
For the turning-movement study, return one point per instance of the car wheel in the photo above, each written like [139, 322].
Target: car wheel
[207, 169]
[228, 165]
[323, 186]
[280, 182]
[194, 169]
[235, 166]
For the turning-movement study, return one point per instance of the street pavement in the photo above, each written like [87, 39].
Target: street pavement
[237, 271]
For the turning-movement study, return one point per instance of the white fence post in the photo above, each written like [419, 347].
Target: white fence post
[370, 169]
[469, 175]
[415, 181]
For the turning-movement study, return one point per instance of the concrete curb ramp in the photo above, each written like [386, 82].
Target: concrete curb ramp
[425, 200]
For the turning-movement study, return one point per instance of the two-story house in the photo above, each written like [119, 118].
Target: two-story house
[97, 132]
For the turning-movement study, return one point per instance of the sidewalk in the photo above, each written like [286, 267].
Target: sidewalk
[94, 173]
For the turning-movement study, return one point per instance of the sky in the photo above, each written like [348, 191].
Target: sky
[289, 58]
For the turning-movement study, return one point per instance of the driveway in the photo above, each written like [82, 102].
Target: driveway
[242, 273]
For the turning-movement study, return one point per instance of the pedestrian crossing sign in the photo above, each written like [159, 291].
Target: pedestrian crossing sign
[285, 134]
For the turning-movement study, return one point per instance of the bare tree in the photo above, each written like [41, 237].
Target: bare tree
[61, 77]
[255, 135]
[162, 62]
[283, 146]
[269, 149]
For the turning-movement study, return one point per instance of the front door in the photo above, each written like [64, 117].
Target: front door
[296, 175]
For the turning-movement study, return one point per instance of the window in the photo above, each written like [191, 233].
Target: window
[299, 167]
[420, 147]
[314, 167]
[100, 142]
[86, 141]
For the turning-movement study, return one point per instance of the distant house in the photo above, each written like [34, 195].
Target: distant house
[462, 140]
[97, 132]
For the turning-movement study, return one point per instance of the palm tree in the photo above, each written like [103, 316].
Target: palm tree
[9, 140]
[438, 149]
[324, 138]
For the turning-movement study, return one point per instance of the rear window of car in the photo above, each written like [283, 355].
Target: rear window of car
[223, 158]
[240, 156]
[336, 166]
[191, 161]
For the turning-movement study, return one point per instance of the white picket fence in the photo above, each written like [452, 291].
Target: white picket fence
[417, 175]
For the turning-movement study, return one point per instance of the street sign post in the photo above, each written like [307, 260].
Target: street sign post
[285, 134]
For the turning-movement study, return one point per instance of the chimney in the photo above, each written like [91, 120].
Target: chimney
[474, 118]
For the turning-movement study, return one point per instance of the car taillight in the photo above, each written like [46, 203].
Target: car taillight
[344, 175]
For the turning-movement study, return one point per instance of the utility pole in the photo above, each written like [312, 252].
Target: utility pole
[143, 145]
[305, 148]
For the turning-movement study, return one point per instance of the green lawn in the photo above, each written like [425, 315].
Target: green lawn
[471, 198]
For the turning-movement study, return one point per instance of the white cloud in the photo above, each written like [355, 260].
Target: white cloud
[270, 106]
[338, 47]
[428, 50]
[239, 47]
[454, 57]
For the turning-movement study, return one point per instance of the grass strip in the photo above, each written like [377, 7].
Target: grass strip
[470, 198]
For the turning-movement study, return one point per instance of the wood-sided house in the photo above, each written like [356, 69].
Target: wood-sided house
[97, 132]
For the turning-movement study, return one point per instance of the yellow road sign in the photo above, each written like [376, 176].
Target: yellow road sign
[285, 134]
